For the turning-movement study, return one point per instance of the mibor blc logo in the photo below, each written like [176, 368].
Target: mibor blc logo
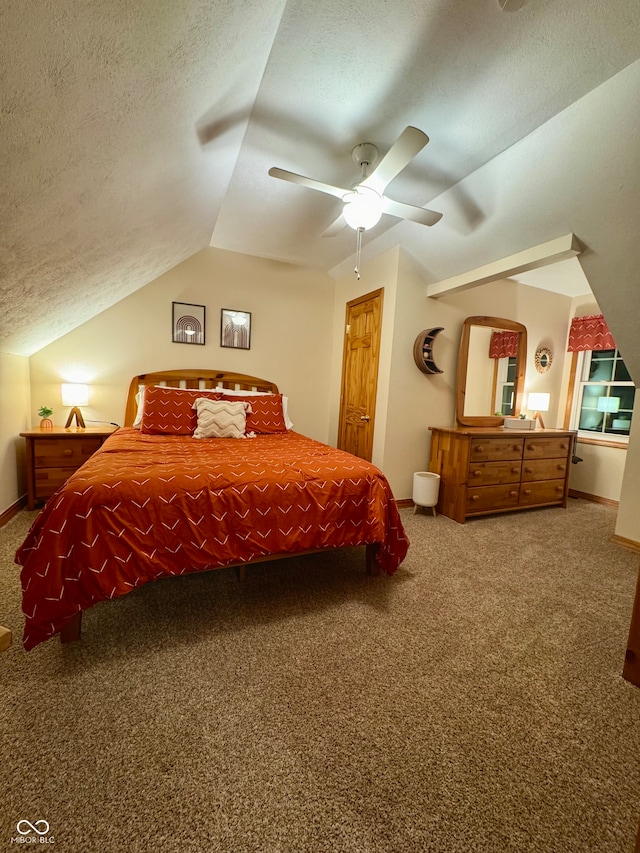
[33, 833]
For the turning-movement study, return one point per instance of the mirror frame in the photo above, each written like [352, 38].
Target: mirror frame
[461, 374]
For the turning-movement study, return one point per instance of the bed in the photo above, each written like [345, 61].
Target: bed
[154, 501]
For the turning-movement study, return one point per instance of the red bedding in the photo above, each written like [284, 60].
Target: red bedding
[147, 506]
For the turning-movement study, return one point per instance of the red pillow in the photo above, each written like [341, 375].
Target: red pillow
[266, 415]
[169, 411]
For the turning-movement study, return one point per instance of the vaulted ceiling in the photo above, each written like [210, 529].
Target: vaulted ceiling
[134, 135]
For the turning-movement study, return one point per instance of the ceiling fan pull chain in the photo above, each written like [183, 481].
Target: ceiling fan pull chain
[356, 269]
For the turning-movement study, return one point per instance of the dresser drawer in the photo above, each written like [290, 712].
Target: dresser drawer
[545, 491]
[63, 453]
[492, 498]
[543, 469]
[495, 449]
[546, 448]
[494, 473]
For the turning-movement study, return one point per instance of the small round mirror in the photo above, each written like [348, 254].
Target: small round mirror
[543, 359]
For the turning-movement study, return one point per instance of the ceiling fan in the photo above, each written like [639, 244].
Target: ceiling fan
[365, 202]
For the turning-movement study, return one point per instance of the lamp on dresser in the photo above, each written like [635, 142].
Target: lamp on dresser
[75, 394]
[539, 402]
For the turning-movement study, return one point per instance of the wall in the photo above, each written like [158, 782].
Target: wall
[380, 273]
[15, 404]
[290, 337]
[409, 402]
[416, 400]
[602, 470]
[297, 339]
[628, 520]
[406, 397]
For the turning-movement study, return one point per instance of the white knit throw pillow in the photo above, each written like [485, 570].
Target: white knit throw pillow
[220, 418]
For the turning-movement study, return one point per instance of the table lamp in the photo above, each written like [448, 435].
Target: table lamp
[74, 394]
[539, 402]
[608, 404]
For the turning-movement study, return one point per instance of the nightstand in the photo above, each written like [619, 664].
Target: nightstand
[54, 454]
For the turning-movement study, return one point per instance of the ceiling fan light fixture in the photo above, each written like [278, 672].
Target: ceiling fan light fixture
[362, 208]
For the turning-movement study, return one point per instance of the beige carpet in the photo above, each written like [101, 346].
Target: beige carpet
[471, 703]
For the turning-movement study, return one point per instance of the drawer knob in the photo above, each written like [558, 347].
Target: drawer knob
[529, 470]
[563, 446]
[67, 452]
[514, 470]
[527, 491]
[560, 467]
[477, 473]
[531, 447]
[513, 493]
[475, 497]
[559, 488]
[480, 448]
[516, 447]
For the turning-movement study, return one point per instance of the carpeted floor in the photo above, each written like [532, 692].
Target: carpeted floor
[473, 702]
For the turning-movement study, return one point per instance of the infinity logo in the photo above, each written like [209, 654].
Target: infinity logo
[32, 827]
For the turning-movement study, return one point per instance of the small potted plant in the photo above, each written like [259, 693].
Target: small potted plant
[45, 413]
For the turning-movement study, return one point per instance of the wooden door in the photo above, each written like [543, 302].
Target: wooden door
[360, 374]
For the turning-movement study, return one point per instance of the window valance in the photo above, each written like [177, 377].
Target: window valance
[590, 333]
[503, 344]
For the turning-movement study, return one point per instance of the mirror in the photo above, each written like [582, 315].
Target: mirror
[486, 384]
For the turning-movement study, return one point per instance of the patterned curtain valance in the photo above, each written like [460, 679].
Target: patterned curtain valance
[590, 333]
[503, 344]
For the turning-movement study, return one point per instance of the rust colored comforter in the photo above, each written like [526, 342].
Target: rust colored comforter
[147, 506]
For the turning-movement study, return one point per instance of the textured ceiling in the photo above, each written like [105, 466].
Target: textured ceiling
[134, 135]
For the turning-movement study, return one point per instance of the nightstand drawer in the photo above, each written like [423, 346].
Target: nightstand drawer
[53, 455]
[47, 480]
[62, 453]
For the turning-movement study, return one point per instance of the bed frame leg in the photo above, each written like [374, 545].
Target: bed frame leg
[373, 569]
[71, 631]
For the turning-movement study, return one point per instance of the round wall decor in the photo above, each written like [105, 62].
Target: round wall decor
[543, 359]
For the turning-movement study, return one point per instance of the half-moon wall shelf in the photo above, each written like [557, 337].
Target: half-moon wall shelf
[422, 350]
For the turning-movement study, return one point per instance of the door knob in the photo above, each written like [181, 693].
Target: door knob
[365, 418]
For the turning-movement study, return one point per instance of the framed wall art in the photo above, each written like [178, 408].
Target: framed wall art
[235, 329]
[187, 323]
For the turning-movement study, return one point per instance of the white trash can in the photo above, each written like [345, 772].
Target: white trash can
[426, 486]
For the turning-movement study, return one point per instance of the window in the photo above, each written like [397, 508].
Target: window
[505, 380]
[604, 396]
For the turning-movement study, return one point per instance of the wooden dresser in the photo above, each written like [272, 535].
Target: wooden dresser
[54, 454]
[486, 470]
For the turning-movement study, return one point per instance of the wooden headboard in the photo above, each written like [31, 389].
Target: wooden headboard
[189, 378]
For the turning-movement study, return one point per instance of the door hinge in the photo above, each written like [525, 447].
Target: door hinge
[347, 329]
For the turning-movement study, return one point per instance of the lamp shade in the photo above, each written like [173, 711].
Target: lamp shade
[539, 401]
[362, 208]
[608, 404]
[75, 394]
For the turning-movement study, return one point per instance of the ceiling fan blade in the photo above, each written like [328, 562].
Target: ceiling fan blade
[307, 182]
[408, 211]
[410, 142]
[335, 228]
